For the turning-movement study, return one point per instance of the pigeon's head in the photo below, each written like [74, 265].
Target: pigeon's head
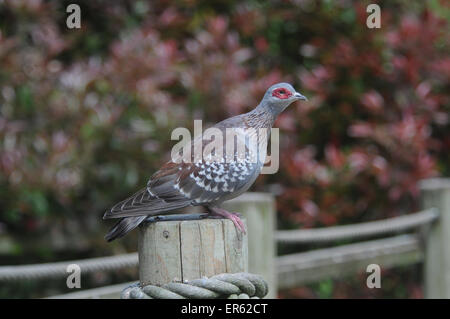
[279, 96]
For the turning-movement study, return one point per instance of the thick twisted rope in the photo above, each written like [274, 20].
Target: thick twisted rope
[380, 227]
[223, 286]
[59, 269]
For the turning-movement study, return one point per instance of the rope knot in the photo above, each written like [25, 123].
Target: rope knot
[223, 286]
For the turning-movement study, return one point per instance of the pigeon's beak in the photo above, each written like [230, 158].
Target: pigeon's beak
[298, 96]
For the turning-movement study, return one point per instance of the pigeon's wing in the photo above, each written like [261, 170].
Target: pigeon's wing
[158, 197]
[187, 184]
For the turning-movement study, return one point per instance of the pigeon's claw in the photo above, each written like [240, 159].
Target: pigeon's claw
[234, 217]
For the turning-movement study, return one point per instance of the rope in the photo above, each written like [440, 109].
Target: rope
[391, 225]
[59, 269]
[223, 286]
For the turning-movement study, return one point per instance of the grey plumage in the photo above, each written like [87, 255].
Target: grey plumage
[211, 179]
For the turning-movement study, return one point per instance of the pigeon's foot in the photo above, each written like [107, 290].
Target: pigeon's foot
[234, 217]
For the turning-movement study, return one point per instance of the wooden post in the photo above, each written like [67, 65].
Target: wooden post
[260, 212]
[185, 250]
[436, 193]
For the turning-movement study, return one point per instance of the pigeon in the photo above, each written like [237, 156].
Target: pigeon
[211, 176]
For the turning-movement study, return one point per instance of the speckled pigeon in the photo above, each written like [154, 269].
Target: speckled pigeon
[212, 178]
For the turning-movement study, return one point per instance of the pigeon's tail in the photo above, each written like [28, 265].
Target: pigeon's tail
[123, 226]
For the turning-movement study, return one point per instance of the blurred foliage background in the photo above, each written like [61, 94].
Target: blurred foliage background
[86, 115]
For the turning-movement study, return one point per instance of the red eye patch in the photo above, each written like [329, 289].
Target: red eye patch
[282, 93]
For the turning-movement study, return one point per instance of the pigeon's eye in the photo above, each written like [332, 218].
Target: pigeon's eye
[281, 93]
